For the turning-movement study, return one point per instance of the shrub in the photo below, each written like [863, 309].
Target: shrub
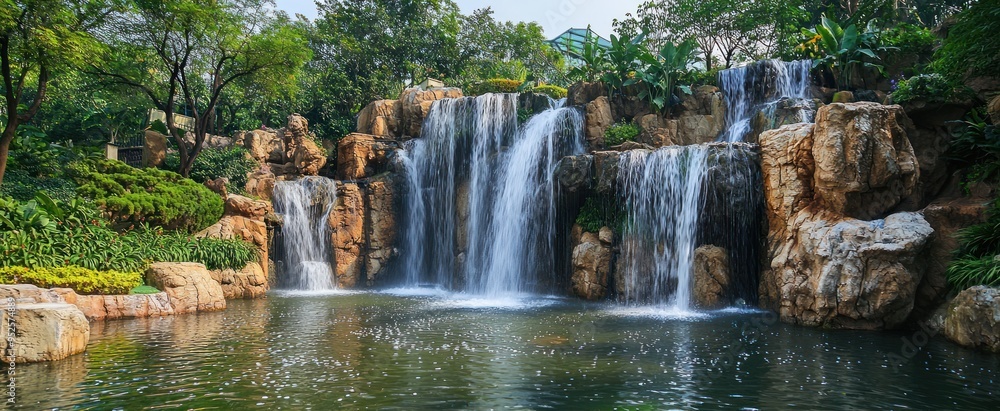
[976, 147]
[231, 163]
[494, 85]
[976, 260]
[909, 38]
[701, 77]
[132, 196]
[620, 132]
[932, 87]
[22, 186]
[597, 213]
[967, 271]
[81, 280]
[550, 90]
[972, 48]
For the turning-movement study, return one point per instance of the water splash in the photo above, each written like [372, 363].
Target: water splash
[306, 204]
[758, 86]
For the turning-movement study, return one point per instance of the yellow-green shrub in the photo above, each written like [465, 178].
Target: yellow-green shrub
[81, 280]
[493, 85]
[553, 91]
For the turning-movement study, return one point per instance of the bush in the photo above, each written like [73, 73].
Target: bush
[46, 233]
[160, 198]
[550, 90]
[81, 280]
[702, 77]
[620, 132]
[909, 39]
[972, 48]
[231, 163]
[21, 186]
[933, 88]
[494, 85]
[976, 260]
[597, 213]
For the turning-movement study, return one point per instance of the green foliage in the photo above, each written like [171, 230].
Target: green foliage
[232, 163]
[523, 115]
[976, 260]
[933, 88]
[972, 47]
[623, 61]
[551, 90]
[22, 186]
[620, 132]
[965, 272]
[597, 212]
[976, 146]
[663, 72]
[494, 85]
[81, 280]
[144, 289]
[843, 51]
[909, 38]
[132, 196]
[593, 60]
[701, 77]
[50, 233]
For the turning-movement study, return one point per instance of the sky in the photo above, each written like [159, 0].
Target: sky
[555, 16]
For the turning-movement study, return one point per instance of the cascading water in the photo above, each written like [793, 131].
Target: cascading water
[306, 204]
[481, 212]
[757, 88]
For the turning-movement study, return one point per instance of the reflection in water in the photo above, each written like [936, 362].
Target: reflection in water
[379, 351]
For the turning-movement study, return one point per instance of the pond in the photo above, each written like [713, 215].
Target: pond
[418, 349]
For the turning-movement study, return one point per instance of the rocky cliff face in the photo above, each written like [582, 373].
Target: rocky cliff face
[837, 254]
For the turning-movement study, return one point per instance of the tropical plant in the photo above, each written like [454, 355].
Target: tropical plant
[976, 146]
[623, 61]
[972, 48]
[842, 50]
[976, 261]
[663, 72]
[592, 59]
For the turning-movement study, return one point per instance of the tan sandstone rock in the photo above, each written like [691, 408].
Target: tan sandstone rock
[358, 155]
[43, 332]
[591, 263]
[597, 120]
[265, 146]
[300, 149]
[382, 198]
[260, 183]
[347, 234]
[416, 104]
[243, 219]
[189, 286]
[113, 307]
[248, 282]
[711, 276]
[973, 318]
[381, 118]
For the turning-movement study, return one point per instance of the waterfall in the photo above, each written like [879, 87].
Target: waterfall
[661, 192]
[306, 204]
[758, 87]
[482, 199]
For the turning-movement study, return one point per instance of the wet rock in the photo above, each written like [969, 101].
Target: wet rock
[606, 170]
[381, 118]
[347, 234]
[581, 93]
[574, 172]
[598, 119]
[973, 319]
[416, 104]
[865, 165]
[711, 276]
[189, 286]
[43, 332]
[591, 264]
[383, 207]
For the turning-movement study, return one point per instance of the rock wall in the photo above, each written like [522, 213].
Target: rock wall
[189, 286]
[363, 230]
[591, 262]
[288, 152]
[832, 259]
[243, 219]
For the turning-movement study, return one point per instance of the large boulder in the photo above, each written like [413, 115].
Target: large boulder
[265, 146]
[42, 332]
[381, 118]
[154, 149]
[247, 282]
[189, 286]
[347, 235]
[360, 155]
[29, 294]
[657, 131]
[415, 104]
[574, 172]
[301, 149]
[865, 165]
[113, 307]
[711, 276]
[591, 263]
[243, 219]
[597, 120]
[260, 183]
[581, 93]
[973, 318]
[829, 261]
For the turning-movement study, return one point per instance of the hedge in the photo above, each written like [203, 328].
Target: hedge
[81, 280]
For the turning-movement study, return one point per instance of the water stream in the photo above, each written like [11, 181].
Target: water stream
[756, 88]
[305, 205]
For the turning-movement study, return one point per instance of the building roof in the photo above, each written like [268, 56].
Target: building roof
[574, 39]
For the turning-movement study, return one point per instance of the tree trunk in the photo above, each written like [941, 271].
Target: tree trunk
[5, 140]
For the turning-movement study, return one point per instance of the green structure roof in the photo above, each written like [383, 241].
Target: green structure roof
[573, 39]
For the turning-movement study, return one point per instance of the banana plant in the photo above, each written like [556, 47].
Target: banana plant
[662, 72]
[592, 58]
[623, 62]
[843, 50]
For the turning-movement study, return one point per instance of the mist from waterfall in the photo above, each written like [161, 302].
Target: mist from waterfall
[305, 205]
[481, 208]
[756, 88]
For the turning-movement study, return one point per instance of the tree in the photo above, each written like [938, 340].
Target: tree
[183, 54]
[37, 39]
[492, 49]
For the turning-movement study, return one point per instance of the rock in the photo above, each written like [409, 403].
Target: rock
[973, 319]
[632, 145]
[113, 307]
[416, 103]
[244, 219]
[606, 235]
[29, 294]
[248, 282]
[930, 143]
[574, 172]
[597, 121]
[260, 183]
[218, 186]
[301, 149]
[946, 217]
[783, 112]
[606, 170]
[43, 332]
[658, 132]
[360, 156]
[591, 265]
[711, 276]
[383, 207]
[154, 150]
[845, 273]
[265, 146]
[994, 109]
[189, 286]
[843, 97]
[580, 94]
[347, 234]
[381, 118]
[865, 165]
[787, 165]
[697, 129]
[237, 205]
